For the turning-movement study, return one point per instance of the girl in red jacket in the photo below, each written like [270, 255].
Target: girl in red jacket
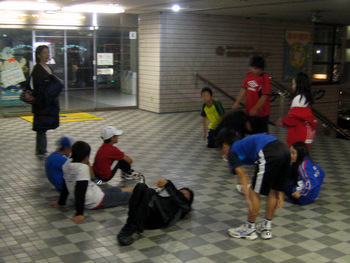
[300, 120]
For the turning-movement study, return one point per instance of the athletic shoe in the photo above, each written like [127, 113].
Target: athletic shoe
[142, 179]
[98, 181]
[131, 175]
[127, 235]
[42, 156]
[243, 232]
[224, 158]
[101, 182]
[264, 231]
[239, 187]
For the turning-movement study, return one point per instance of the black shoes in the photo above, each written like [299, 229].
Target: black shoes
[127, 235]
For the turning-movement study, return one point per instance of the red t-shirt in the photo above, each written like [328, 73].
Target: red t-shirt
[104, 158]
[255, 88]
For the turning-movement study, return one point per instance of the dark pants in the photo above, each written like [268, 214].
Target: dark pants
[288, 190]
[265, 123]
[211, 138]
[123, 165]
[142, 211]
[41, 142]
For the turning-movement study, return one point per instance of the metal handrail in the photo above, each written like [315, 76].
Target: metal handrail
[285, 92]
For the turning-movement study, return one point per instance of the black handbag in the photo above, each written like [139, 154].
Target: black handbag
[27, 96]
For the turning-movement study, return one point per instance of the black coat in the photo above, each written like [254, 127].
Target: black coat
[47, 88]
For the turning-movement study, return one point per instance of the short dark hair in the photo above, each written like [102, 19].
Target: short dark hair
[206, 89]
[190, 201]
[38, 51]
[108, 140]
[227, 136]
[257, 62]
[80, 150]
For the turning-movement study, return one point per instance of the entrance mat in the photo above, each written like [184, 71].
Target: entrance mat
[68, 117]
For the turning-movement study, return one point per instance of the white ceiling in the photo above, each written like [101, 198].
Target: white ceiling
[326, 11]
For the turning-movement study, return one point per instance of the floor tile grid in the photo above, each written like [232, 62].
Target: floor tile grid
[164, 146]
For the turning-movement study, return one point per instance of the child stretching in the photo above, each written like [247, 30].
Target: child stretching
[272, 160]
[151, 210]
[306, 179]
[212, 110]
[300, 120]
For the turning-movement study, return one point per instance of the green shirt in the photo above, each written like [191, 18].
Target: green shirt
[214, 113]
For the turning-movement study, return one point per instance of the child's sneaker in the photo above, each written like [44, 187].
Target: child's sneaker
[131, 175]
[239, 188]
[243, 232]
[98, 181]
[127, 235]
[264, 231]
[142, 179]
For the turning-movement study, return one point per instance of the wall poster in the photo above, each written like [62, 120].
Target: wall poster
[296, 53]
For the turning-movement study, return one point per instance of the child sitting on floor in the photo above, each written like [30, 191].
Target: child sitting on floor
[109, 158]
[306, 179]
[84, 192]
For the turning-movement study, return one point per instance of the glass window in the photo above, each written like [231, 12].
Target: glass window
[80, 68]
[321, 53]
[16, 53]
[327, 53]
[323, 34]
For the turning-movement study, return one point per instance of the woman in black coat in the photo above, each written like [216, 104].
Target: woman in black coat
[46, 89]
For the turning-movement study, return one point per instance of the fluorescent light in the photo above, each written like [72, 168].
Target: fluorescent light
[85, 8]
[14, 5]
[176, 8]
[320, 76]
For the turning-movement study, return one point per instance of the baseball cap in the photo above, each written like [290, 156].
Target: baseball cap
[64, 142]
[109, 131]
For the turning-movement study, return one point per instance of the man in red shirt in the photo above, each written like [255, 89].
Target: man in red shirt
[256, 88]
[109, 158]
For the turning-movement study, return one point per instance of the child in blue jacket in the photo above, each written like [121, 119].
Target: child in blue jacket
[306, 179]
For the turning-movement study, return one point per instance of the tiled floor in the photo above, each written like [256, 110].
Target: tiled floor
[164, 146]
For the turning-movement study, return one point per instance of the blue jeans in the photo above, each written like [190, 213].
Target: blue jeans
[114, 196]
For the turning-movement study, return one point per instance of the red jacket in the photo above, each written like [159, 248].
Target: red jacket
[301, 125]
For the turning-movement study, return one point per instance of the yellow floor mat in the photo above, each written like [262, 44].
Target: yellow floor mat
[68, 117]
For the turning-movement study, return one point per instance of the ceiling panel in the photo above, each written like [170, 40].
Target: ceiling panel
[327, 11]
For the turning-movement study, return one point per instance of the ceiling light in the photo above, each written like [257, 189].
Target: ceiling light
[14, 5]
[176, 8]
[85, 8]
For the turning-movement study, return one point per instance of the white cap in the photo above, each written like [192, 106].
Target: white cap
[109, 131]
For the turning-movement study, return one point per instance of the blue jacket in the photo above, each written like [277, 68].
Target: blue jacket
[309, 181]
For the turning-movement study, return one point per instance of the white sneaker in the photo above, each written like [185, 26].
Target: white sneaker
[243, 232]
[131, 175]
[264, 231]
[239, 187]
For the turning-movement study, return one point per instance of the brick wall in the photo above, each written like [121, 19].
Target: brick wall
[173, 47]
